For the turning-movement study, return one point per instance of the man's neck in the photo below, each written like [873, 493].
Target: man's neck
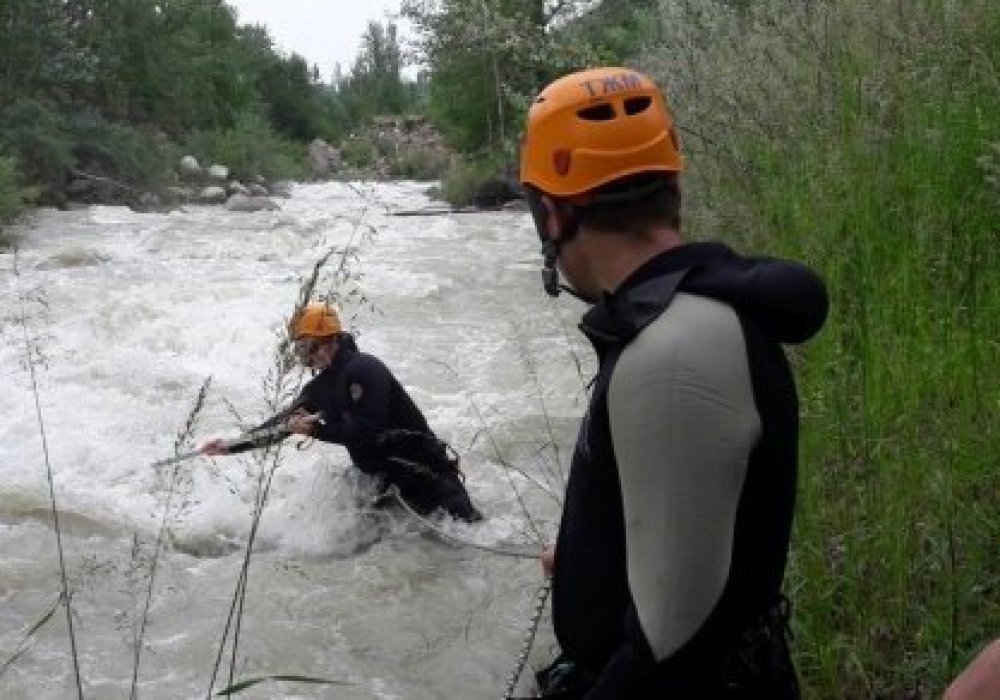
[614, 257]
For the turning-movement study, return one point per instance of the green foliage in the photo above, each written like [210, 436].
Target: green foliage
[461, 182]
[615, 29]
[40, 54]
[11, 197]
[135, 74]
[175, 64]
[37, 135]
[488, 58]
[484, 57]
[116, 151]
[462, 103]
[415, 163]
[249, 149]
[863, 140]
[374, 85]
[376, 70]
[51, 148]
[293, 106]
[358, 152]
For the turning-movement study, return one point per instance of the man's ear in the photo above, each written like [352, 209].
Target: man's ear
[555, 219]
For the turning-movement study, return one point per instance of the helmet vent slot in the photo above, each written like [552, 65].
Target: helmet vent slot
[635, 105]
[598, 113]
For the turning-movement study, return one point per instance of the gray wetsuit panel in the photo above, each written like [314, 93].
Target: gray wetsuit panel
[683, 423]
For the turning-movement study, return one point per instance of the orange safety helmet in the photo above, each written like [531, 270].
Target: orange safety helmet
[314, 320]
[589, 128]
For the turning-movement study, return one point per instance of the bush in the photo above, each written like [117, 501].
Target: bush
[359, 153]
[36, 134]
[415, 163]
[11, 197]
[462, 181]
[116, 151]
[250, 149]
[51, 149]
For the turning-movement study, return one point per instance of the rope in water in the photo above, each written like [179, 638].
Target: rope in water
[540, 600]
[524, 553]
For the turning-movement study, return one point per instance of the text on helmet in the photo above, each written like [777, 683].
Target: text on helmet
[612, 84]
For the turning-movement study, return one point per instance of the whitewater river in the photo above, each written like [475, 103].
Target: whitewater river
[124, 316]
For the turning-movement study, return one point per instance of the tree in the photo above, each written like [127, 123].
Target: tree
[40, 55]
[375, 84]
[487, 59]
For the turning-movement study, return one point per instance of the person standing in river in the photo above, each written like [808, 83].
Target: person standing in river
[667, 571]
[355, 401]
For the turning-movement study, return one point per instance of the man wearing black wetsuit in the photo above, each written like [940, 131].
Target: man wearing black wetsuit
[355, 401]
[674, 536]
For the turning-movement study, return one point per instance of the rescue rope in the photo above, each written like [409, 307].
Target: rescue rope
[524, 553]
[540, 599]
[529, 639]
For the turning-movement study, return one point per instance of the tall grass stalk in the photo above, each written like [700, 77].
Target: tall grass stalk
[553, 469]
[281, 383]
[181, 443]
[29, 356]
[861, 138]
[29, 635]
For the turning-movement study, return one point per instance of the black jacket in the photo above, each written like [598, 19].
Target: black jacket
[360, 400]
[364, 408]
[594, 615]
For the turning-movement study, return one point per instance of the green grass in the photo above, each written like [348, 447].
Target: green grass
[12, 199]
[864, 142]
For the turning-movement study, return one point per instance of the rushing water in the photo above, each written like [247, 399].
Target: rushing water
[127, 314]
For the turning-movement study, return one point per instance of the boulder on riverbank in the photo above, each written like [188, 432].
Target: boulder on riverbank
[215, 185]
[324, 159]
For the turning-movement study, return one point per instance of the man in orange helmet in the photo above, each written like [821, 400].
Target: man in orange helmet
[674, 536]
[355, 401]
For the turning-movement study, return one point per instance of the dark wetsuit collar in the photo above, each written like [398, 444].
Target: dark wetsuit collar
[682, 257]
[621, 314]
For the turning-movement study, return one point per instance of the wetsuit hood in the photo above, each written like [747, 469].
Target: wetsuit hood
[785, 298]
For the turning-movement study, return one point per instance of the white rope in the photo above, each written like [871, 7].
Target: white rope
[524, 553]
[541, 598]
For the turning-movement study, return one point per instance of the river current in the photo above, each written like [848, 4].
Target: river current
[112, 321]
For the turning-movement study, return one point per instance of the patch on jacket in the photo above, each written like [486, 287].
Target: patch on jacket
[356, 392]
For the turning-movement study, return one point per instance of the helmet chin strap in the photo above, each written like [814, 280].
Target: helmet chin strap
[550, 273]
[550, 247]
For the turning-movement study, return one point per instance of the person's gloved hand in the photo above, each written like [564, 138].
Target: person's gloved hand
[548, 559]
[214, 448]
[303, 423]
